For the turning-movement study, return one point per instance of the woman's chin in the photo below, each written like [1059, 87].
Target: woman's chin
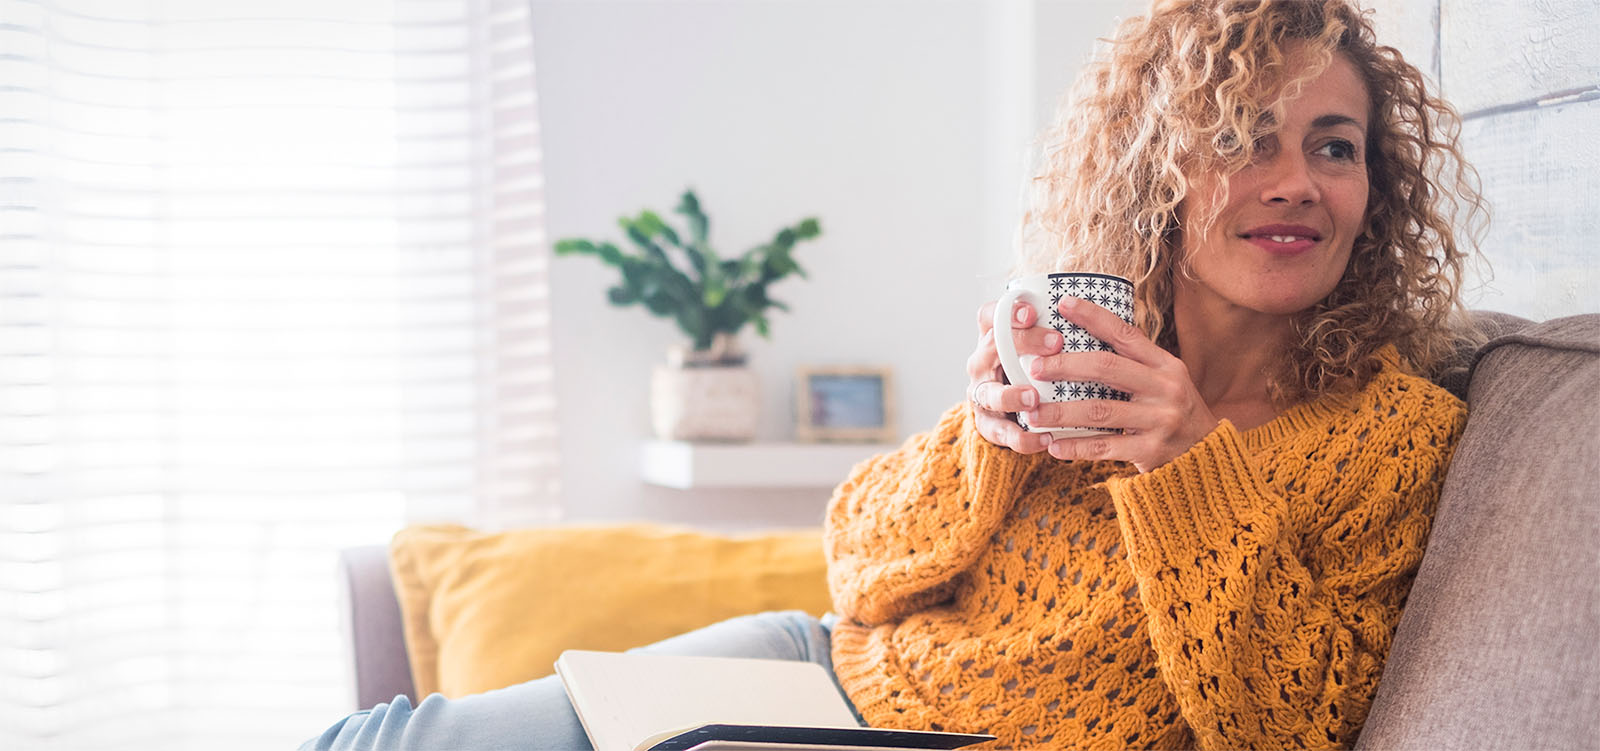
[1285, 308]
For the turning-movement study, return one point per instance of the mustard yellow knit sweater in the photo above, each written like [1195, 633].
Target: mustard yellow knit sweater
[1241, 596]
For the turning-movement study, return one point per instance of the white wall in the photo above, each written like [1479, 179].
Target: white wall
[1066, 34]
[1526, 79]
[864, 113]
[1034, 50]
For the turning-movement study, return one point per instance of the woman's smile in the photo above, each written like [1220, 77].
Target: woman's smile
[1283, 239]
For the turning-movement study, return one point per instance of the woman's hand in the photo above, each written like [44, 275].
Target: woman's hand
[987, 390]
[1165, 417]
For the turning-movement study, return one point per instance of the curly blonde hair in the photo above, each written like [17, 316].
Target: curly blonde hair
[1192, 86]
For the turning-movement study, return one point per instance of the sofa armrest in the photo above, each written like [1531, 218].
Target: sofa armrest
[1497, 647]
[374, 637]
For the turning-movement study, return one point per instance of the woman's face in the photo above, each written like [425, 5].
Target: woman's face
[1281, 241]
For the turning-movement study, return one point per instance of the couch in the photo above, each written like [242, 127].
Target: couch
[1499, 647]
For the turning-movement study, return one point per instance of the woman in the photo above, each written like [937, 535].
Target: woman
[1228, 571]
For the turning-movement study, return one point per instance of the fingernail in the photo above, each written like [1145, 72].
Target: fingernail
[1022, 315]
[1045, 439]
[1052, 341]
[1035, 369]
[1069, 302]
[1030, 399]
[1033, 418]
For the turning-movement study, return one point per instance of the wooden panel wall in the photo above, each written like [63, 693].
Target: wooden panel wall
[1525, 75]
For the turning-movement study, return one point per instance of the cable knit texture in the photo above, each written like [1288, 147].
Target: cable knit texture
[1243, 595]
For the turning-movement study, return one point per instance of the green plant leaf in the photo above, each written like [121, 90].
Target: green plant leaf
[687, 282]
[622, 296]
[655, 251]
[698, 249]
[660, 303]
[651, 225]
[636, 230]
[778, 264]
[699, 224]
[715, 293]
[692, 321]
[636, 234]
[697, 260]
[571, 246]
[611, 254]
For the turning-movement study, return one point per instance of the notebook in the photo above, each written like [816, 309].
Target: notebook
[628, 701]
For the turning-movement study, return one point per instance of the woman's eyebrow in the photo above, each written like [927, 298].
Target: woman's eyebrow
[1329, 121]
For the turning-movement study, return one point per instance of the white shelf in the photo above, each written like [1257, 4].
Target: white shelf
[678, 464]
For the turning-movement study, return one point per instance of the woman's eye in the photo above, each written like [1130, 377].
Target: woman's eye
[1340, 150]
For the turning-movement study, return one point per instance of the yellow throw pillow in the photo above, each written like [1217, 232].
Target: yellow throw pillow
[488, 610]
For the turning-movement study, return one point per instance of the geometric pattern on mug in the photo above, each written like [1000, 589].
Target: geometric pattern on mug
[1114, 295]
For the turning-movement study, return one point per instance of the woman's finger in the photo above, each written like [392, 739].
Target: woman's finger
[1022, 313]
[984, 362]
[1095, 413]
[1123, 337]
[995, 396]
[1095, 447]
[1110, 368]
[1000, 431]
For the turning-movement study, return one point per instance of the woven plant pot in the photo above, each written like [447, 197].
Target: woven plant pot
[705, 403]
[705, 395]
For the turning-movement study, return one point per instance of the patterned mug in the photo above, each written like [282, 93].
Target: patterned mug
[1044, 292]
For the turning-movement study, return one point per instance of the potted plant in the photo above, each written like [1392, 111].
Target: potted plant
[705, 391]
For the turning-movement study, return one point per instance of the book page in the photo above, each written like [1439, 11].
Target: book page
[624, 698]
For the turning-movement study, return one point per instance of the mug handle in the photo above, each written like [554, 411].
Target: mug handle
[1004, 341]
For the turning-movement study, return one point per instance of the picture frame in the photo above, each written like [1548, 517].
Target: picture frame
[844, 403]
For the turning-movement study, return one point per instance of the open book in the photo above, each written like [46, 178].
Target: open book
[644, 702]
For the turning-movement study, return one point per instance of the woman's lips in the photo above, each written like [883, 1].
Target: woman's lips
[1283, 239]
[1277, 244]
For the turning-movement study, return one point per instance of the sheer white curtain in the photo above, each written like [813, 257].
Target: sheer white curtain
[272, 282]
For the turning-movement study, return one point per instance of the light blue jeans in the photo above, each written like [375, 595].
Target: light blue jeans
[536, 716]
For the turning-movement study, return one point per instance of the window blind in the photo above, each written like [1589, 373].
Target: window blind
[272, 283]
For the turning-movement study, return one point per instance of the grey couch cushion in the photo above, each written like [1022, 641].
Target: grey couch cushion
[1490, 325]
[1499, 646]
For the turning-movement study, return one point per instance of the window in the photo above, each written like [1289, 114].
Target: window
[272, 283]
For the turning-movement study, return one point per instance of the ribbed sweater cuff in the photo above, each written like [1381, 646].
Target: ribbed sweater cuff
[1194, 503]
[858, 666]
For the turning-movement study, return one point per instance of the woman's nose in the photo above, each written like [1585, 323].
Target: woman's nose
[1287, 179]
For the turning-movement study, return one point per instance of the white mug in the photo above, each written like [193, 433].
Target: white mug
[1044, 292]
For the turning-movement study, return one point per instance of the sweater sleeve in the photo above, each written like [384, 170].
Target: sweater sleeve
[905, 524]
[1266, 639]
